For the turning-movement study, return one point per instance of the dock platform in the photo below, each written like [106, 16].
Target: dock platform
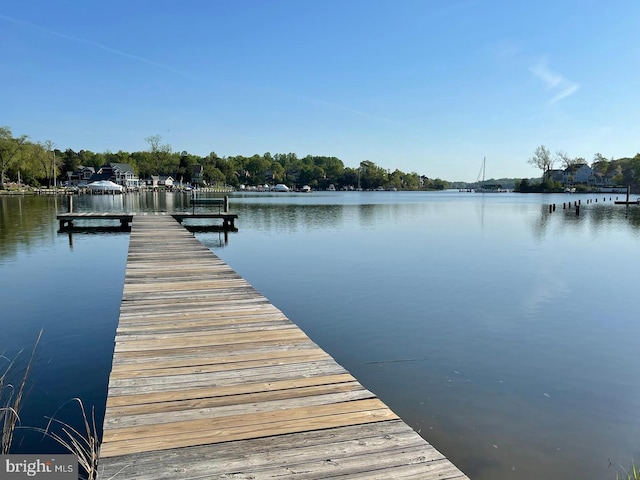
[66, 219]
[210, 380]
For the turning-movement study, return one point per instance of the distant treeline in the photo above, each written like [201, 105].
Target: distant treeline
[39, 163]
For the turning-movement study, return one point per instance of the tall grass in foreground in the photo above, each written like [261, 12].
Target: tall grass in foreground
[11, 398]
[634, 474]
[82, 442]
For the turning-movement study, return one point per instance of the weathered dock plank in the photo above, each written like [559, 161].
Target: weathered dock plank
[210, 380]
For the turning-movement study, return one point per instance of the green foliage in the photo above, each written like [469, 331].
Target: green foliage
[11, 152]
[40, 163]
[546, 186]
[523, 186]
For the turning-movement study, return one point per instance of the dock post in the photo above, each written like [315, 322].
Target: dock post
[550, 208]
[70, 203]
[225, 204]
[577, 210]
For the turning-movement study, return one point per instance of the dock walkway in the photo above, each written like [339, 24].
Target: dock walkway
[210, 380]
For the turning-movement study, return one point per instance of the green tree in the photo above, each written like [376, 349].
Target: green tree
[257, 168]
[46, 158]
[185, 167]
[523, 186]
[89, 159]
[160, 154]
[348, 177]
[10, 152]
[411, 181]
[600, 164]
[631, 174]
[70, 161]
[277, 172]
[371, 175]
[396, 179]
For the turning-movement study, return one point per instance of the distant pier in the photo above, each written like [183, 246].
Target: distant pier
[66, 219]
[210, 380]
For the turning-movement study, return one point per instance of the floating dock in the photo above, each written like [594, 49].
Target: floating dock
[210, 380]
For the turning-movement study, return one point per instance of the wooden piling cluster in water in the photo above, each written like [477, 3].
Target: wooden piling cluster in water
[210, 380]
[578, 203]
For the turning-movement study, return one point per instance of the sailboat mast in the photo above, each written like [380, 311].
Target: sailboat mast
[484, 164]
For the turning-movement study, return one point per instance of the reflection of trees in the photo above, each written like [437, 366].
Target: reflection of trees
[24, 222]
[366, 214]
[290, 217]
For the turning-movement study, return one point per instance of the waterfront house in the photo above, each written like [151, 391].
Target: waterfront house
[556, 175]
[577, 174]
[80, 177]
[157, 181]
[120, 173]
[598, 179]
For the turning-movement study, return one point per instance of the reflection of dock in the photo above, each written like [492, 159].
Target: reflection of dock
[66, 219]
[210, 380]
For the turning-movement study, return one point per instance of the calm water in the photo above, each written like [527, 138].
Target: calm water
[505, 335]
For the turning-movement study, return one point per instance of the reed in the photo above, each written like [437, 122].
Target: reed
[634, 474]
[82, 442]
[11, 398]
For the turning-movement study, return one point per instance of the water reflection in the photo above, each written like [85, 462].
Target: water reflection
[588, 217]
[25, 222]
[133, 202]
[99, 230]
[290, 218]
[505, 334]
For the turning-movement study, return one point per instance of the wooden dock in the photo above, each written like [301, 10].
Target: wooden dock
[210, 380]
[66, 219]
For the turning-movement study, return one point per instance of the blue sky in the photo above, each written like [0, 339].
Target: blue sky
[430, 86]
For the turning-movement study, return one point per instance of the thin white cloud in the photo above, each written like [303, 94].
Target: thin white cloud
[561, 86]
[99, 46]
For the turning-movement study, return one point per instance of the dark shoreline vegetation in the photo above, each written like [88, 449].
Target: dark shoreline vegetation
[35, 164]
